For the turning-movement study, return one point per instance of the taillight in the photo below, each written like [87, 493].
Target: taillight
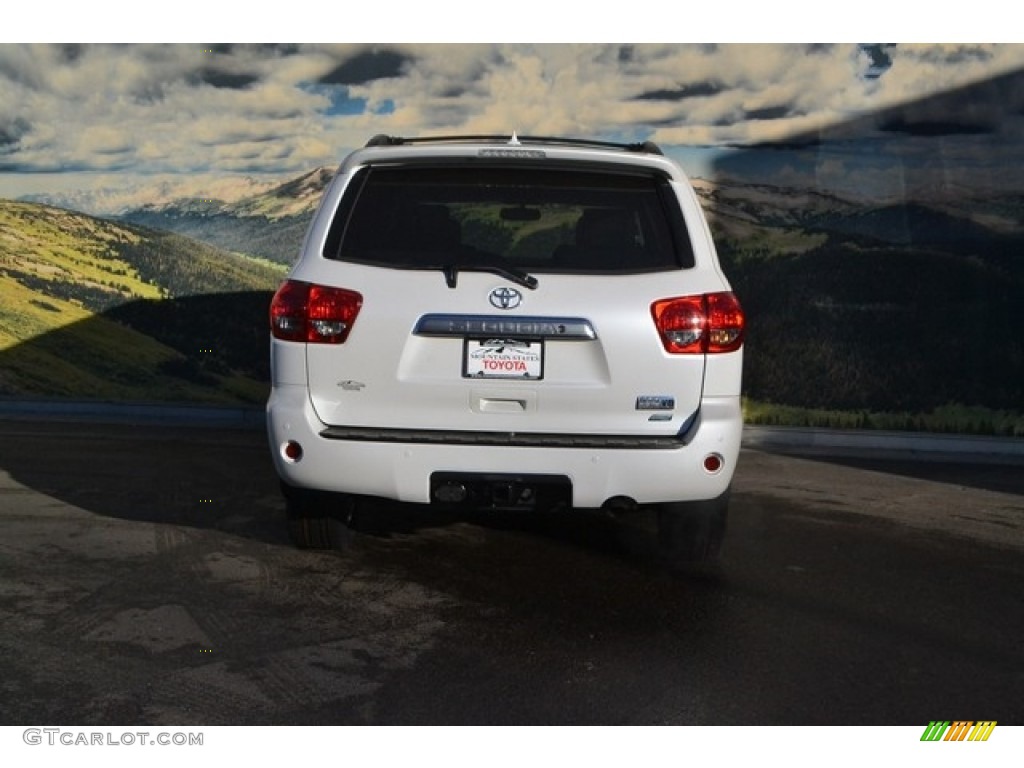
[288, 311]
[316, 314]
[707, 324]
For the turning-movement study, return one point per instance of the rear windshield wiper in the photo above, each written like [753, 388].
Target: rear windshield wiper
[515, 274]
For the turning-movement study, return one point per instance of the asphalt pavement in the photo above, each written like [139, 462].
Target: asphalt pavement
[145, 578]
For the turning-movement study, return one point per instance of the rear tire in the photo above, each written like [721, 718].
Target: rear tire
[691, 533]
[316, 519]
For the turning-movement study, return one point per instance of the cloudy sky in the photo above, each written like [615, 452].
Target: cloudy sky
[97, 116]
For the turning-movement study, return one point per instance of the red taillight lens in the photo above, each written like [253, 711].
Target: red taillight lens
[316, 314]
[725, 322]
[332, 311]
[706, 324]
[288, 311]
[682, 323]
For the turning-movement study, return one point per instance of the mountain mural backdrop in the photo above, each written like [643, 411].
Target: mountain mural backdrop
[903, 316]
[102, 310]
[270, 224]
[898, 315]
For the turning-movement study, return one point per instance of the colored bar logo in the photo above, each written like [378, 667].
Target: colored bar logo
[959, 730]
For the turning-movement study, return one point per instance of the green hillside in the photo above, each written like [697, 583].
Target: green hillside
[895, 317]
[101, 310]
[850, 331]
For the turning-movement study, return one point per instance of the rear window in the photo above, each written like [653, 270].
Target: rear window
[535, 219]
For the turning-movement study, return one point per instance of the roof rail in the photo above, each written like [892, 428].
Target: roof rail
[383, 140]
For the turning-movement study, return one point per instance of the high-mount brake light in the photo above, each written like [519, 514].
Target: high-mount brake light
[315, 314]
[535, 154]
[710, 323]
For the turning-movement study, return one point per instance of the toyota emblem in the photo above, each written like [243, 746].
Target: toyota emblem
[505, 298]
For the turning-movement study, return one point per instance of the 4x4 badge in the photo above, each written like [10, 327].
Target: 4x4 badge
[505, 298]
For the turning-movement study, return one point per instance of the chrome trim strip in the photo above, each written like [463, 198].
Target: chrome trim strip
[531, 439]
[520, 327]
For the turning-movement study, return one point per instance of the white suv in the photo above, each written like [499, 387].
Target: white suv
[508, 323]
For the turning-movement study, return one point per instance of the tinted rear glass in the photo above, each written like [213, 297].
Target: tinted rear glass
[536, 219]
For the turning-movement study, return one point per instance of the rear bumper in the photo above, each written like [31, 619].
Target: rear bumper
[393, 469]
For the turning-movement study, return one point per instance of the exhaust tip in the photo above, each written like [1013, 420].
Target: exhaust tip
[619, 505]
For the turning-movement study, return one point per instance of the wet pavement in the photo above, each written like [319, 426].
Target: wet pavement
[146, 578]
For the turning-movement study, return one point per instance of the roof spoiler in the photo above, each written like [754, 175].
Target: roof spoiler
[384, 140]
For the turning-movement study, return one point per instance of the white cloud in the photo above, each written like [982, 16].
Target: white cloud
[183, 109]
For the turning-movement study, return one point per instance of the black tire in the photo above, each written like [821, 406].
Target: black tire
[691, 533]
[317, 520]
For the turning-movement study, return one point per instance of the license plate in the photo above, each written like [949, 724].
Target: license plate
[503, 359]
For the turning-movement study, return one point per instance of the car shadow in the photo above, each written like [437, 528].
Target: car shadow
[92, 413]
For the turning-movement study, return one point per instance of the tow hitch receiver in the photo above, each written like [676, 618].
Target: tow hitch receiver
[460, 490]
